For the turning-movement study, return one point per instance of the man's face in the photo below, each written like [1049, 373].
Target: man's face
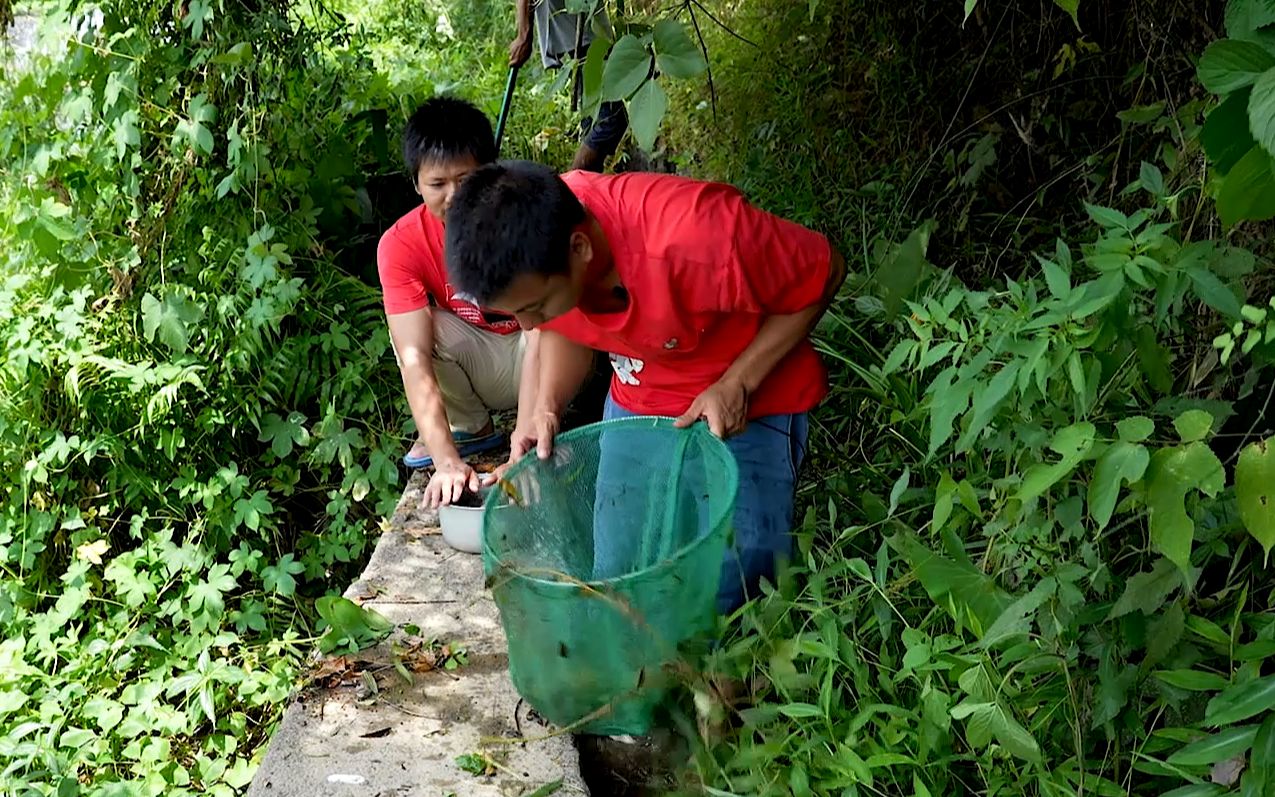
[437, 182]
[534, 299]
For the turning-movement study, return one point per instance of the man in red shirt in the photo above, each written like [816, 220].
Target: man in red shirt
[704, 302]
[457, 361]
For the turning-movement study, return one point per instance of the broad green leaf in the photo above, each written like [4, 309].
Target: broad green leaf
[1172, 474]
[1230, 64]
[1213, 292]
[1261, 763]
[1016, 739]
[1196, 790]
[1193, 680]
[1135, 429]
[1016, 619]
[1071, 443]
[169, 320]
[1072, 7]
[1120, 463]
[646, 111]
[901, 268]
[1217, 747]
[1193, 425]
[1107, 217]
[676, 55]
[282, 434]
[800, 710]
[627, 67]
[896, 492]
[963, 590]
[970, 5]
[1255, 491]
[594, 64]
[1248, 191]
[1240, 702]
[987, 401]
[943, 498]
[1056, 279]
[1147, 591]
[947, 402]
[1164, 633]
[1151, 178]
[1244, 18]
[1226, 134]
[1261, 111]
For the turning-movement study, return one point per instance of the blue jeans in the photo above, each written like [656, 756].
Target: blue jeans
[769, 454]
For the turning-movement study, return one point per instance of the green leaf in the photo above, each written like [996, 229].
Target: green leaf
[1121, 463]
[1196, 790]
[1261, 764]
[1016, 619]
[962, 589]
[1016, 739]
[1147, 591]
[1193, 425]
[249, 511]
[1172, 474]
[896, 492]
[169, 320]
[279, 578]
[1071, 443]
[947, 402]
[646, 111]
[1217, 747]
[1261, 111]
[1107, 217]
[1056, 279]
[1072, 7]
[282, 434]
[800, 710]
[1193, 680]
[987, 401]
[1152, 178]
[943, 497]
[1244, 18]
[1255, 491]
[1230, 64]
[1248, 191]
[1241, 702]
[1226, 134]
[676, 55]
[1163, 634]
[627, 67]
[206, 595]
[594, 65]
[970, 5]
[1135, 429]
[1213, 292]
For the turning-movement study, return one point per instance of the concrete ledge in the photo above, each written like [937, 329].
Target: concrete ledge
[389, 738]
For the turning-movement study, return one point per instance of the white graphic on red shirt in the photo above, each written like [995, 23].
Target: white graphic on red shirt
[627, 368]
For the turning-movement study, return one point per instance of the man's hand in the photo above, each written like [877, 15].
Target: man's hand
[724, 405]
[543, 429]
[520, 49]
[449, 483]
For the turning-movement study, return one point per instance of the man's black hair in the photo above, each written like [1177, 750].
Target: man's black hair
[445, 129]
[506, 219]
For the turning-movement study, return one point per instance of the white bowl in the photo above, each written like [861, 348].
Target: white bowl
[462, 526]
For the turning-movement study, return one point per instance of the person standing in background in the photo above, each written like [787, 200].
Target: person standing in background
[563, 35]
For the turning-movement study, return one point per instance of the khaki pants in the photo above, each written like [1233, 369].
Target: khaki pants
[477, 370]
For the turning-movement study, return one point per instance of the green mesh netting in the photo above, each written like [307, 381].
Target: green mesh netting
[604, 560]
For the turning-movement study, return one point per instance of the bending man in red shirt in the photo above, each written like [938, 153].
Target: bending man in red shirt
[704, 303]
[457, 360]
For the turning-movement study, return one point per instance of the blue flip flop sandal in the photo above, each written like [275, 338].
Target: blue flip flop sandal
[466, 444]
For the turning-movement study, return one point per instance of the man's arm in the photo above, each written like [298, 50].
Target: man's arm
[725, 404]
[413, 336]
[563, 368]
[780, 333]
[520, 47]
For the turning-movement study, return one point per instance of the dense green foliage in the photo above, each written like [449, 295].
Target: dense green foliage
[1056, 348]
[1064, 586]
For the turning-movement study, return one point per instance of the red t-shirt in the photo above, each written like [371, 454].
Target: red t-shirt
[703, 269]
[413, 272]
